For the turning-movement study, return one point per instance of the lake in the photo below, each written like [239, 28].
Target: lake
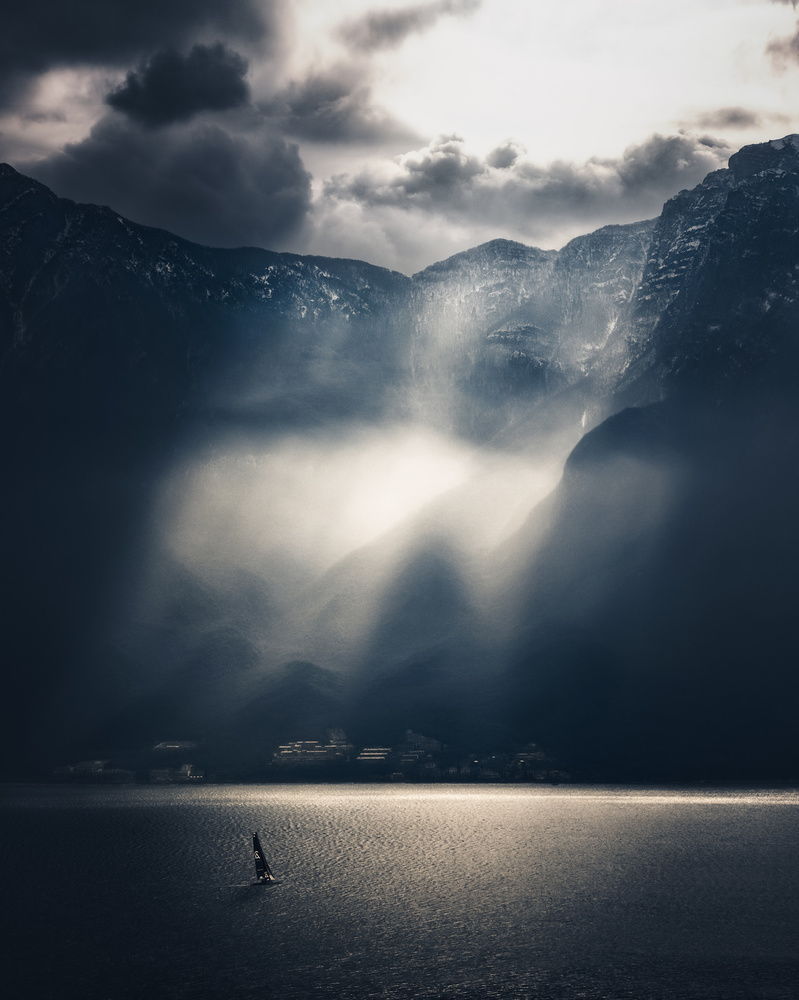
[405, 891]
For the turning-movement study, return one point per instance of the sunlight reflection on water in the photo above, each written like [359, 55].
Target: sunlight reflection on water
[406, 892]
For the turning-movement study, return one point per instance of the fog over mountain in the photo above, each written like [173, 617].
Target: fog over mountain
[521, 495]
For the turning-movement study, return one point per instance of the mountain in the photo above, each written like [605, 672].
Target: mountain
[639, 621]
[512, 326]
[717, 300]
[123, 330]
[663, 583]
[120, 328]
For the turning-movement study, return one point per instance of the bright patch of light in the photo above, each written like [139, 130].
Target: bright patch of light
[585, 78]
[569, 81]
[310, 499]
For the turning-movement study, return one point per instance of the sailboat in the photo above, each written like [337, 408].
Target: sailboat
[262, 870]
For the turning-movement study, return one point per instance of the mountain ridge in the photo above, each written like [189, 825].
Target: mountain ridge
[666, 348]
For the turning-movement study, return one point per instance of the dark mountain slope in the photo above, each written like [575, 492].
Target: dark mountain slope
[116, 329]
[666, 586]
[119, 344]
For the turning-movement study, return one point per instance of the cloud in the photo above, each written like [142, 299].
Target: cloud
[736, 118]
[784, 50]
[505, 156]
[436, 201]
[506, 185]
[170, 87]
[441, 173]
[388, 29]
[729, 118]
[198, 180]
[334, 106]
[667, 163]
[40, 35]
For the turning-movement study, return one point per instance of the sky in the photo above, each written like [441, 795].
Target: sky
[394, 132]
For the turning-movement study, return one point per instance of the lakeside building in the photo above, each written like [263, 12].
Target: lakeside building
[415, 757]
[374, 755]
[307, 753]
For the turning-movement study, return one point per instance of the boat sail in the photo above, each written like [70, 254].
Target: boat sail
[262, 869]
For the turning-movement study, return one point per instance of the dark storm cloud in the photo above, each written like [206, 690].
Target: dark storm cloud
[198, 181]
[38, 35]
[334, 106]
[667, 161]
[386, 29]
[506, 188]
[170, 87]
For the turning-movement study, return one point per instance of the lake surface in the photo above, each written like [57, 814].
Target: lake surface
[400, 892]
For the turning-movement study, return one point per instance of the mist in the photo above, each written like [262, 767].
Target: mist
[296, 541]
